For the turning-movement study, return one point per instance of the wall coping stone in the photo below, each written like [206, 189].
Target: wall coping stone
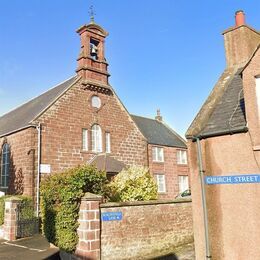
[140, 203]
[13, 199]
[91, 197]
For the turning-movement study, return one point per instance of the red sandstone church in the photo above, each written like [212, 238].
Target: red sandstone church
[82, 120]
[225, 139]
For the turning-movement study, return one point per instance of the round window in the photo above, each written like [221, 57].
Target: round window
[96, 102]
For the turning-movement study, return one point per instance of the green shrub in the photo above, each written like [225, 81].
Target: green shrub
[133, 184]
[2, 208]
[60, 200]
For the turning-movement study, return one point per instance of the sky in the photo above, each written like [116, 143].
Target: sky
[165, 54]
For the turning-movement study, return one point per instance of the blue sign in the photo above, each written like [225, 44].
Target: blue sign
[109, 216]
[233, 179]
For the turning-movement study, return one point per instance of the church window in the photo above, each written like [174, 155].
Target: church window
[96, 138]
[5, 165]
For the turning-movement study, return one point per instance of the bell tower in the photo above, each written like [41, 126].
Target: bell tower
[92, 65]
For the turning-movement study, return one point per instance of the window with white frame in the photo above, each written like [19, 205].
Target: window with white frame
[181, 157]
[183, 183]
[160, 179]
[5, 165]
[84, 139]
[96, 138]
[108, 145]
[158, 154]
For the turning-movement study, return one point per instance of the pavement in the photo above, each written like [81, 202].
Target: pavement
[38, 248]
[32, 248]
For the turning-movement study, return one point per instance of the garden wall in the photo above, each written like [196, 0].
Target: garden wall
[146, 229]
[132, 230]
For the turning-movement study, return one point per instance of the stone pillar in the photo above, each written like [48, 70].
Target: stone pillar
[89, 228]
[10, 218]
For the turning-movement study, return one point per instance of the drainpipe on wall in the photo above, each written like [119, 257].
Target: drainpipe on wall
[204, 204]
[38, 170]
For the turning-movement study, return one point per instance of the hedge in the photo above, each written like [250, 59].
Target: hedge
[60, 200]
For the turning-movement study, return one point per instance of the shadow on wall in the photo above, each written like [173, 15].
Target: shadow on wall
[167, 257]
[215, 214]
[16, 181]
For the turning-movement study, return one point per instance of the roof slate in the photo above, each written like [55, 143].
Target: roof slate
[107, 163]
[224, 110]
[22, 116]
[229, 111]
[158, 133]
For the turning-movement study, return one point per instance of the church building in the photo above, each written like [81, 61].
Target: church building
[80, 120]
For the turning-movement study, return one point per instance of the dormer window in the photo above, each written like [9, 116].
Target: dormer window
[94, 49]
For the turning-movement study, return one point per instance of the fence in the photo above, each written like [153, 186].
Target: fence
[19, 219]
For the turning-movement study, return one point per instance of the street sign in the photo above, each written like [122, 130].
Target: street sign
[109, 216]
[233, 179]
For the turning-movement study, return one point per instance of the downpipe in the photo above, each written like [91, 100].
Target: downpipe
[204, 204]
[38, 170]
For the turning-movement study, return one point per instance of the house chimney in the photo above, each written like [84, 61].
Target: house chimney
[240, 18]
[240, 41]
[158, 116]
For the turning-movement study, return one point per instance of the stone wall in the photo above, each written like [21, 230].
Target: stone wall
[23, 161]
[63, 122]
[147, 229]
[89, 227]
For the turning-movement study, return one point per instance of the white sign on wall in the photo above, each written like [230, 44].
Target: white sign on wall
[45, 168]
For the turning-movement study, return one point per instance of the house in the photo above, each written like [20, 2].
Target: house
[224, 145]
[167, 156]
[81, 120]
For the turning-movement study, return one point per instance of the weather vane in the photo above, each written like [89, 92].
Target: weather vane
[91, 13]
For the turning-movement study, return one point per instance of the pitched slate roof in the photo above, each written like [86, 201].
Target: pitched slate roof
[22, 116]
[229, 111]
[158, 133]
[224, 110]
[107, 163]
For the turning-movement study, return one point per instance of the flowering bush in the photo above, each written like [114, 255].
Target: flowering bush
[133, 184]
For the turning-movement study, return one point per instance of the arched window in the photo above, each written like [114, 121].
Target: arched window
[5, 165]
[96, 138]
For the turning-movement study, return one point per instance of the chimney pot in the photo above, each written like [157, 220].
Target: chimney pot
[240, 18]
[158, 116]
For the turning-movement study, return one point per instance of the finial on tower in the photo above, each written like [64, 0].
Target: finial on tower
[91, 14]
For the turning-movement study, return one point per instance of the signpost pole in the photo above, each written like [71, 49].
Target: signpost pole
[204, 204]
